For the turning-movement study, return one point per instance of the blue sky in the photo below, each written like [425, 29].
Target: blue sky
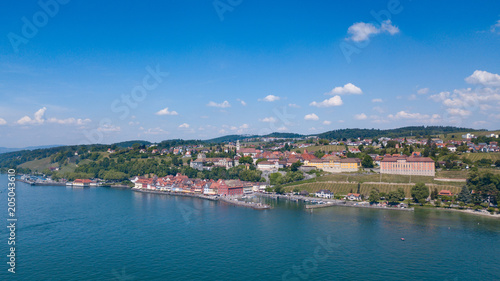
[74, 72]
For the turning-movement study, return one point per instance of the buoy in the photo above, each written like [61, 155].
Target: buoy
[402, 239]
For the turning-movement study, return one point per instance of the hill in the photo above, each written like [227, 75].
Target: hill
[419, 131]
[125, 144]
[233, 138]
[8, 149]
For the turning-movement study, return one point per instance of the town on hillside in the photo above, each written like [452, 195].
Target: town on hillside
[385, 169]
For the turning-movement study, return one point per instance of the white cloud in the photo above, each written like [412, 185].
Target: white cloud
[496, 27]
[293, 105]
[69, 121]
[2, 121]
[423, 91]
[361, 31]
[244, 126]
[270, 98]
[378, 109]
[166, 112]
[155, 131]
[311, 116]
[282, 129]
[333, 101]
[407, 115]
[268, 120]
[484, 78]
[184, 125]
[458, 112]
[440, 97]
[222, 131]
[412, 97]
[38, 118]
[341, 121]
[361, 116]
[376, 100]
[348, 88]
[108, 128]
[326, 122]
[242, 102]
[224, 104]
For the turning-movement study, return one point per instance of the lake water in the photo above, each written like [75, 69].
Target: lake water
[69, 233]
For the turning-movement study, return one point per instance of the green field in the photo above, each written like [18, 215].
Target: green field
[345, 188]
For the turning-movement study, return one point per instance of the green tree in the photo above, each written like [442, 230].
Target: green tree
[374, 196]
[420, 192]
[275, 178]
[367, 162]
[295, 166]
[279, 189]
[319, 153]
[464, 195]
[246, 160]
[434, 194]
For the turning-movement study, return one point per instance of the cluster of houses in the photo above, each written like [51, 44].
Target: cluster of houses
[183, 184]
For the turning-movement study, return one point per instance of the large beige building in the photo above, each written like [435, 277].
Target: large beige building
[403, 165]
[335, 164]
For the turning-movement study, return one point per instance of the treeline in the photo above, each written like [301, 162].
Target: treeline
[233, 138]
[421, 131]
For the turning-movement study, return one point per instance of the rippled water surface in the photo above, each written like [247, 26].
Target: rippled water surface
[114, 234]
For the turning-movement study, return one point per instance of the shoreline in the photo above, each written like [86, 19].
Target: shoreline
[295, 198]
[465, 211]
[228, 200]
[329, 202]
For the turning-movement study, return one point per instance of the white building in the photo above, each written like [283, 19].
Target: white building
[324, 194]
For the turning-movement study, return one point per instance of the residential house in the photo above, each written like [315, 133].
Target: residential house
[353, 196]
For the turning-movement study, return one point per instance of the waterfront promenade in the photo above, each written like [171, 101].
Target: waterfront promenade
[228, 199]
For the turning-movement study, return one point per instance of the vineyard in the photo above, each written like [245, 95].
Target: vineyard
[365, 188]
[325, 148]
[493, 156]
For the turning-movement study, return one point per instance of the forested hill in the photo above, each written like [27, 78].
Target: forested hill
[419, 131]
[233, 138]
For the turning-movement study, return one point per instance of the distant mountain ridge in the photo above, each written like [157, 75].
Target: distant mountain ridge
[355, 133]
[8, 149]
